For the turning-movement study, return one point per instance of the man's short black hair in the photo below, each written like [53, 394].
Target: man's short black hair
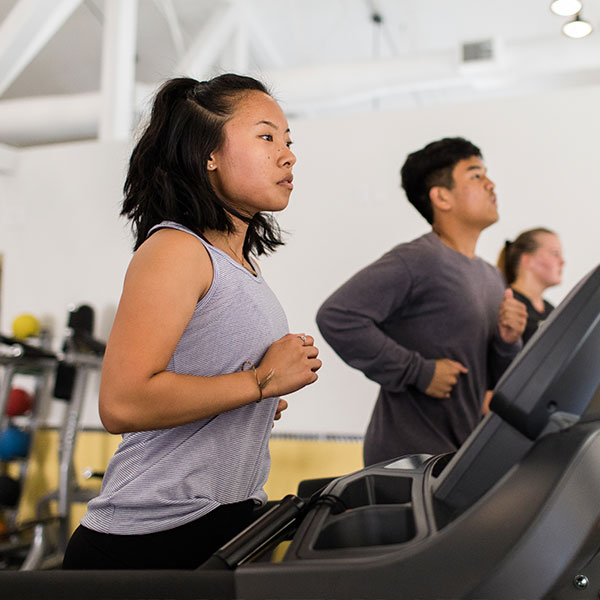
[432, 166]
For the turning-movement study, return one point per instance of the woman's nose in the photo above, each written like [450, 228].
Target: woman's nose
[288, 157]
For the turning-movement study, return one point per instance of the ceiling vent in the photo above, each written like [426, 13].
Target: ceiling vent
[477, 51]
[480, 55]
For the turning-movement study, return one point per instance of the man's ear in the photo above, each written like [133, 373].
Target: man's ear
[441, 198]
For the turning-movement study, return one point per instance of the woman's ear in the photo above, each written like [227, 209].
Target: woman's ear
[211, 165]
[524, 262]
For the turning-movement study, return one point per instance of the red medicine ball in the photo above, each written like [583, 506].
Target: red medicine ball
[19, 402]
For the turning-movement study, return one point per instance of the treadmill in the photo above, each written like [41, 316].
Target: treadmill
[514, 514]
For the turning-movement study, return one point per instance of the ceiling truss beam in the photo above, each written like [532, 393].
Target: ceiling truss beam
[210, 42]
[26, 30]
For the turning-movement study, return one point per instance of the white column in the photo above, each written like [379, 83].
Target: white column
[118, 69]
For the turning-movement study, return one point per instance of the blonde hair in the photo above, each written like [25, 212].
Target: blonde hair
[509, 258]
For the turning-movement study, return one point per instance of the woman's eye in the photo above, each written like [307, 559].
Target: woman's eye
[267, 136]
[289, 144]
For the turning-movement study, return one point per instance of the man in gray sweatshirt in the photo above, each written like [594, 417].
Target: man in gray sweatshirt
[429, 321]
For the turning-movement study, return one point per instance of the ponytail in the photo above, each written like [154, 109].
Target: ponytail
[509, 259]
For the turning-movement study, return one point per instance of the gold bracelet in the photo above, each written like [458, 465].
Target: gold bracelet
[261, 384]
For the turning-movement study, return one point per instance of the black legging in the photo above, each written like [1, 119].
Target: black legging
[184, 547]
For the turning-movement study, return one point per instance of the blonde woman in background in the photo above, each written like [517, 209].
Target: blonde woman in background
[532, 263]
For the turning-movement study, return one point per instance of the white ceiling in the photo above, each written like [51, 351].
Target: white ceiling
[59, 80]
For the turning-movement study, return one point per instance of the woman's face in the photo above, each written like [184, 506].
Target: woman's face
[546, 262]
[252, 170]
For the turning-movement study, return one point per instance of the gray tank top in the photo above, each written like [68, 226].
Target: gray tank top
[161, 479]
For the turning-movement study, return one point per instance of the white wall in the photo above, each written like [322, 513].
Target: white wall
[347, 209]
[8, 193]
[63, 242]
[62, 239]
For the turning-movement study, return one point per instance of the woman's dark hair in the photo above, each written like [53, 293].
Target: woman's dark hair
[168, 178]
[509, 258]
[432, 166]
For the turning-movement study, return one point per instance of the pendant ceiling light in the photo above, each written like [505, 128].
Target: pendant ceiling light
[577, 28]
[565, 8]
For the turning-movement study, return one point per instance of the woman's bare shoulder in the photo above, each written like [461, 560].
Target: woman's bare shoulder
[176, 255]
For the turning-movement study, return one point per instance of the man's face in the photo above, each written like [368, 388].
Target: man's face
[473, 198]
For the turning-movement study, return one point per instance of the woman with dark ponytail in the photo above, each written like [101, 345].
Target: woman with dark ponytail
[532, 263]
[199, 353]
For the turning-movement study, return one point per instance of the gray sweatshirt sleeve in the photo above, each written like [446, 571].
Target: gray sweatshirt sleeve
[350, 321]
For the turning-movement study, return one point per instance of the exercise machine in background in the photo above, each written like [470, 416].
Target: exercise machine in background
[21, 414]
[40, 544]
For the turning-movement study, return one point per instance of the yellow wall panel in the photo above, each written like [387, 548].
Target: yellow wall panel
[293, 460]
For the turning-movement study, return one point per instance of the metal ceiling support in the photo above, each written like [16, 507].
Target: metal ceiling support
[118, 69]
[361, 79]
[210, 42]
[48, 119]
[239, 43]
[259, 41]
[26, 30]
[520, 63]
[226, 41]
[375, 9]
[306, 91]
[60, 118]
[170, 14]
[9, 158]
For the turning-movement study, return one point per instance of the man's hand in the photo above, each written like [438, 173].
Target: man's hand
[512, 318]
[445, 377]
